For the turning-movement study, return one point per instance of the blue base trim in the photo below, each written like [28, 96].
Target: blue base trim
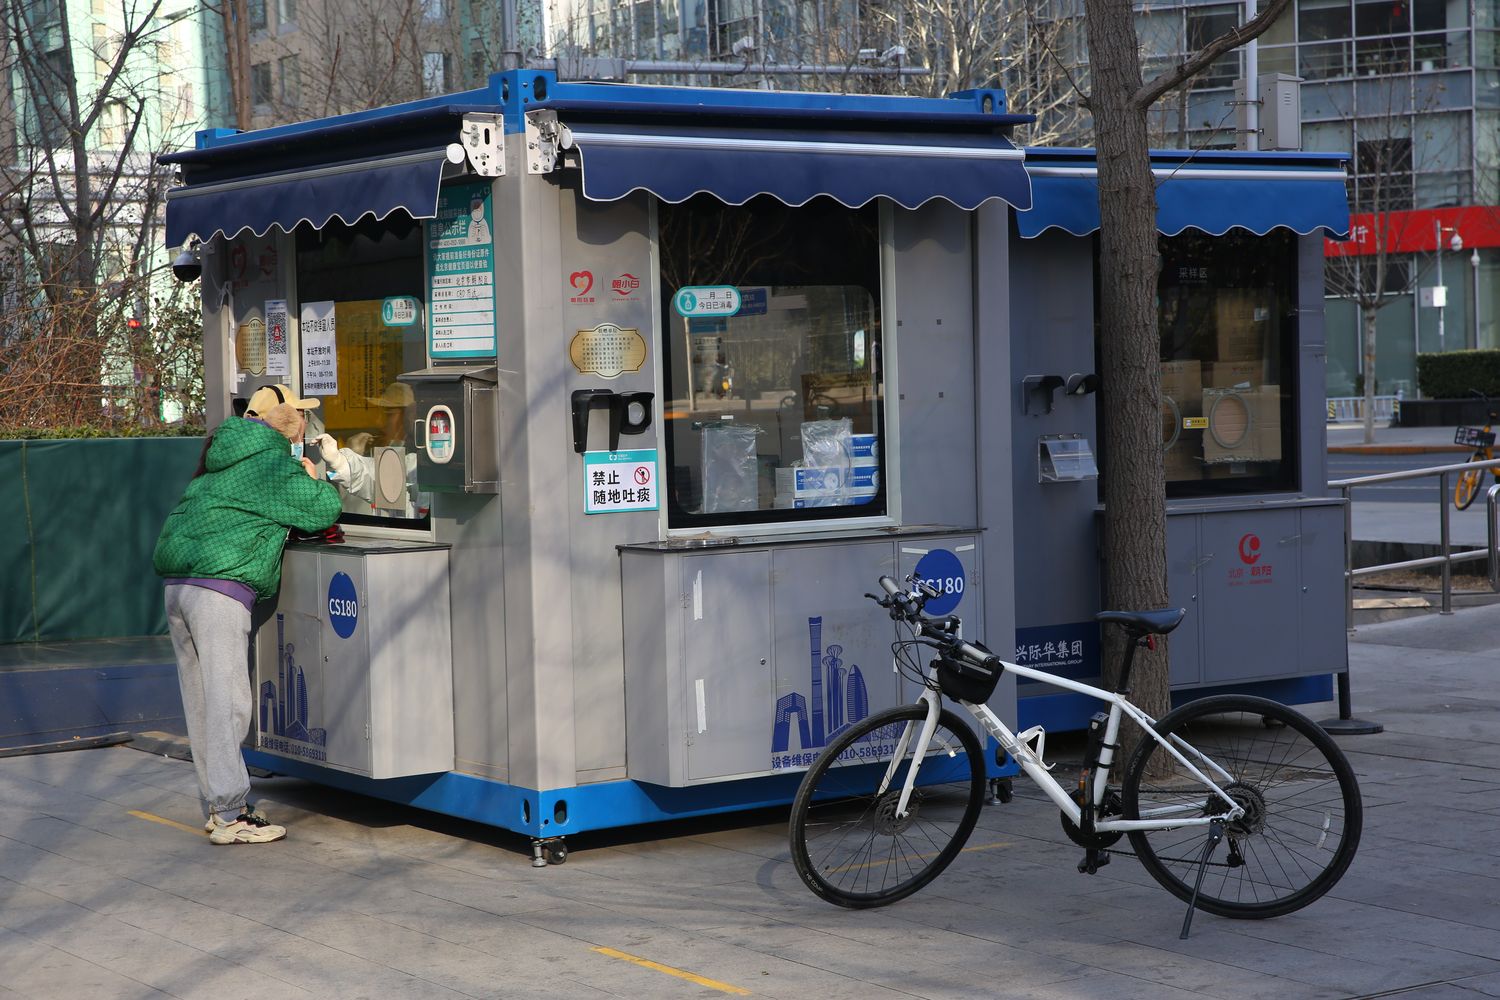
[1067, 712]
[563, 811]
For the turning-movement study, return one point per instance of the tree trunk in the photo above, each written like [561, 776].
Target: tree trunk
[1134, 543]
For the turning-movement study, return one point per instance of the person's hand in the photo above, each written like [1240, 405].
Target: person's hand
[308, 467]
[332, 457]
[359, 442]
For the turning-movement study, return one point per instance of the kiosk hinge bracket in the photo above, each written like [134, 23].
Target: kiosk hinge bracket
[546, 138]
[482, 137]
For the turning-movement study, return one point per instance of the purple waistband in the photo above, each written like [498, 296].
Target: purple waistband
[229, 588]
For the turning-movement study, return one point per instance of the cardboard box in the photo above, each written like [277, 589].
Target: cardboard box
[1183, 462]
[1242, 322]
[1231, 374]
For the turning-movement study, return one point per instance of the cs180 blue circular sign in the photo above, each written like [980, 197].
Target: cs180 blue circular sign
[343, 605]
[943, 572]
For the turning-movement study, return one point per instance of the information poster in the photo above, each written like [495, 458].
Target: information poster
[278, 351]
[320, 359]
[461, 274]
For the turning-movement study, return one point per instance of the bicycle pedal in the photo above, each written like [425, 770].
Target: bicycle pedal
[1092, 862]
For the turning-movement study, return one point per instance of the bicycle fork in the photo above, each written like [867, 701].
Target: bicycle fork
[929, 726]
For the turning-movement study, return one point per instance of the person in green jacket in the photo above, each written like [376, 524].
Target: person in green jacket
[220, 551]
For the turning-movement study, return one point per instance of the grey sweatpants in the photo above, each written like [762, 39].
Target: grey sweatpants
[211, 637]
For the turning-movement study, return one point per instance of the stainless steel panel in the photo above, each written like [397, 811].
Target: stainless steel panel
[726, 683]
[1185, 645]
[1323, 645]
[1248, 590]
[832, 648]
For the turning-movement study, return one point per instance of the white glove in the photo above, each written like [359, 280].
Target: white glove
[332, 457]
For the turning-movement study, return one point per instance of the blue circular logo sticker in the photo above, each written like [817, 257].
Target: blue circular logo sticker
[944, 573]
[343, 605]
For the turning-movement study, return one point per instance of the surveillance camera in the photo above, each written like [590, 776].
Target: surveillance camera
[188, 265]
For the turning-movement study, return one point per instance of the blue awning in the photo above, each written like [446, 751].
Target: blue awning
[346, 191]
[795, 166]
[1212, 192]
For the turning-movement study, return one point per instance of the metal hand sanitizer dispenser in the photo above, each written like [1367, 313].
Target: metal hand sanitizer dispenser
[453, 424]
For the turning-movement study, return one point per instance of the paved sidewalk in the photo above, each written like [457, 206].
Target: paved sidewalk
[109, 890]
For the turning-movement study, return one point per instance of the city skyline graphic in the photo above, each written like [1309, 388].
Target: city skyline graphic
[285, 711]
[838, 698]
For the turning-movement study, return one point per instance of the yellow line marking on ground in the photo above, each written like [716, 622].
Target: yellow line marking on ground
[691, 977]
[197, 831]
[919, 857]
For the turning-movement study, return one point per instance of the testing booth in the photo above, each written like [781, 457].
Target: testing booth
[641, 389]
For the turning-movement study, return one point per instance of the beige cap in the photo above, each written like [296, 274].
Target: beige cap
[396, 394]
[268, 396]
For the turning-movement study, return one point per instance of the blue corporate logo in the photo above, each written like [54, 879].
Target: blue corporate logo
[343, 605]
[944, 573]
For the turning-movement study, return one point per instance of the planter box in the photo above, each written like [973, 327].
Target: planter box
[1443, 412]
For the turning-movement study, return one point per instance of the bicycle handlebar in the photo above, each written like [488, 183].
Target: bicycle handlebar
[939, 633]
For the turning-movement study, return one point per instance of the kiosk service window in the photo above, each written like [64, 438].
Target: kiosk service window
[772, 339]
[1228, 322]
[354, 346]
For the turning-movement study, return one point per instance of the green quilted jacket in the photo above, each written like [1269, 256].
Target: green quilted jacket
[233, 520]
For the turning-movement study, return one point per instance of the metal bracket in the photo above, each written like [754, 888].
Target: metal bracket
[546, 138]
[482, 137]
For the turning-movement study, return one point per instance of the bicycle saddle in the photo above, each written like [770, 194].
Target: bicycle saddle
[1158, 622]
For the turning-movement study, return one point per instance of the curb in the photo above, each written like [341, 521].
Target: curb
[1398, 449]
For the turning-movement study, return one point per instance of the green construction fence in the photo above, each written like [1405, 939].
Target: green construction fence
[82, 519]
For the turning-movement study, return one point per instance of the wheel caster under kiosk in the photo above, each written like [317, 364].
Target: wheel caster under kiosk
[548, 851]
[1002, 790]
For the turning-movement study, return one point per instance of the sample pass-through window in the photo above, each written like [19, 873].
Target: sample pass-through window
[771, 323]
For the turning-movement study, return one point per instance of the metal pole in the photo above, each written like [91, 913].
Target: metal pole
[1346, 724]
[1445, 541]
[1252, 84]
[1474, 263]
[1348, 559]
[1437, 248]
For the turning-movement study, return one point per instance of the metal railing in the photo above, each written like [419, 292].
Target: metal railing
[1446, 558]
[1351, 409]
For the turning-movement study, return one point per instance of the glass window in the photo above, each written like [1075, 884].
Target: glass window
[773, 413]
[1381, 17]
[434, 73]
[1227, 313]
[256, 11]
[1204, 24]
[1321, 20]
[351, 270]
[1441, 141]
[290, 81]
[286, 11]
[260, 83]
[1326, 60]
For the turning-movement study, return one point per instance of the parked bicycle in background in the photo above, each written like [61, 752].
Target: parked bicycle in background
[1482, 440]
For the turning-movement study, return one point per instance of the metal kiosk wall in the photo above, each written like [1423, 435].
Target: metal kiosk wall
[711, 362]
[1255, 543]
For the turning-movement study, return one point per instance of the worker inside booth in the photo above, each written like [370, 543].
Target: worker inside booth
[345, 276]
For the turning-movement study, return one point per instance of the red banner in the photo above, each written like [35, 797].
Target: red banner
[1417, 231]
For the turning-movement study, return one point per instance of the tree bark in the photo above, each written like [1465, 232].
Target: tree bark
[1135, 530]
[1367, 322]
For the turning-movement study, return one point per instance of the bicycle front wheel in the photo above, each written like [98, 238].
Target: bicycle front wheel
[1302, 807]
[1467, 487]
[848, 842]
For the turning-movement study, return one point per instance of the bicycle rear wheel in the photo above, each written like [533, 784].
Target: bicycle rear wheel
[848, 844]
[1302, 807]
[1467, 487]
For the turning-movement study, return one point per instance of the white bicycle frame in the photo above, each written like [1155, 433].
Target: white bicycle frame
[1162, 818]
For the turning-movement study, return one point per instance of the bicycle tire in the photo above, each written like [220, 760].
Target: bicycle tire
[1467, 486]
[845, 838]
[1303, 823]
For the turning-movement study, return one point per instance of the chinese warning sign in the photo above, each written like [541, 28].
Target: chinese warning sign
[617, 481]
[461, 273]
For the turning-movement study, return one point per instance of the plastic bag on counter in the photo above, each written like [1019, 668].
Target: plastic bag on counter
[826, 444]
[731, 474]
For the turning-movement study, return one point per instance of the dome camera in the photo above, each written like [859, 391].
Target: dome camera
[188, 265]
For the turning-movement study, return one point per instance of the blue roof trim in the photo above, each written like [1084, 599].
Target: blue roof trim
[1209, 191]
[796, 166]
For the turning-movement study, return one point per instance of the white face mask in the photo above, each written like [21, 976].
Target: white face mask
[297, 450]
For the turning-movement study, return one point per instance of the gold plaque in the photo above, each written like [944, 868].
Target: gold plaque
[607, 351]
[1195, 423]
[250, 347]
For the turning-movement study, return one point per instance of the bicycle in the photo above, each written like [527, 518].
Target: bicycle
[892, 800]
[1482, 440]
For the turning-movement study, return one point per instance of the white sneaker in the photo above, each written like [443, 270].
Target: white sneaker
[246, 829]
[250, 810]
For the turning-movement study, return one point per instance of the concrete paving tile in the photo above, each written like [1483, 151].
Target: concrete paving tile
[39, 971]
[1488, 986]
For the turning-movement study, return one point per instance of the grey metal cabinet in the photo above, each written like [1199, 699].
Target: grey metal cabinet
[1263, 587]
[365, 686]
[747, 659]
